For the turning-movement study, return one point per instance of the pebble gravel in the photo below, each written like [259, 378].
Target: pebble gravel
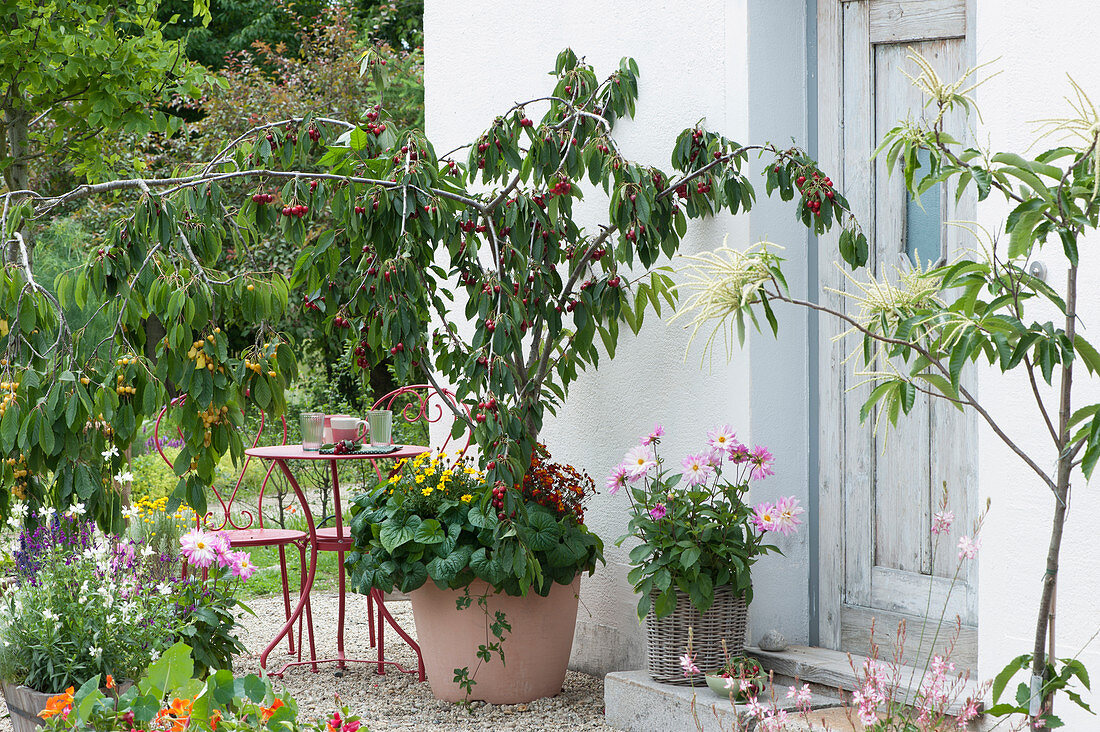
[397, 701]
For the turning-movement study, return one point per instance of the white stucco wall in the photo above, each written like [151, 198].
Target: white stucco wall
[685, 75]
[1035, 44]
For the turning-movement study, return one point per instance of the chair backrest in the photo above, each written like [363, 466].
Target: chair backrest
[232, 516]
[424, 403]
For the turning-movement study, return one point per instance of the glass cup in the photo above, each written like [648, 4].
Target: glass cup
[313, 425]
[381, 426]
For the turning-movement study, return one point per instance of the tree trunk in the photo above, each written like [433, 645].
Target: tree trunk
[17, 175]
[1065, 471]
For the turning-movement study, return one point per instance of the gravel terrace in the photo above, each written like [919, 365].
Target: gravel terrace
[397, 701]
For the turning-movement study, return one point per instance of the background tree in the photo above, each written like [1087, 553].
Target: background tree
[73, 71]
[235, 25]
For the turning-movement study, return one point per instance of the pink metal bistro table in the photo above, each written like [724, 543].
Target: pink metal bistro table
[335, 539]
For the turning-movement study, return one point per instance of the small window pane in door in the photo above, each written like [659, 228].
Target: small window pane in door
[923, 222]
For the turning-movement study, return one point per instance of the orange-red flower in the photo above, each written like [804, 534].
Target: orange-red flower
[59, 704]
[266, 712]
[178, 714]
[215, 717]
[110, 681]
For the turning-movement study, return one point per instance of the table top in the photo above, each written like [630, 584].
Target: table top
[295, 452]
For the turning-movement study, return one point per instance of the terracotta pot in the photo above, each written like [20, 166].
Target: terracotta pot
[536, 651]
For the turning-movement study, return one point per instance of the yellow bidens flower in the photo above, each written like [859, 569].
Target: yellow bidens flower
[467, 498]
[427, 491]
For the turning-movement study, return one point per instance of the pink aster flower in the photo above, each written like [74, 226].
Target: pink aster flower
[242, 565]
[655, 436]
[968, 547]
[715, 457]
[687, 663]
[941, 522]
[738, 453]
[197, 548]
[764, 517]
[223, 553]
[787, 511]
[697, 469]
[658, 512]
[638, 462]
[721, 438]
[761, 463]
[617, 479]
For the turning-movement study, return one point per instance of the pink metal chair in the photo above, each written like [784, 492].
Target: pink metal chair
[245, 528]
[426, 405]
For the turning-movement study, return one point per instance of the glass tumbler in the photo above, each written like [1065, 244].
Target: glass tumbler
[381, 426]
[312, 424]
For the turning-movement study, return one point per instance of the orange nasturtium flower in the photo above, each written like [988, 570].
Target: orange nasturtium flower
[60, 704]
[215, 717]
[110, 681]
[179, 714]
[266, 712]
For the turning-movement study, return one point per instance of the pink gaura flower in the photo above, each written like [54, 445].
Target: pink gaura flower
[617, 479]
[697, 469]
[764, 517]
[198, 548]
[658, 512]
[687, 663]
[654, 437]
[969, 712]
[968, 547]
[639, 461]
[761, 463]
[941, 522]
[787, 511]
[755, 708]
[721, 438]
[802, 697]
[774, 721]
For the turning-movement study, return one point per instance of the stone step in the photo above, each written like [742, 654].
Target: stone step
[633, 702]
[834, 670]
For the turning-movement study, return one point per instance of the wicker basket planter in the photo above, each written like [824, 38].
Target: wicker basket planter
[667, 637]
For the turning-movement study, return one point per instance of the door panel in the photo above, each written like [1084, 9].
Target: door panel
[890, 481]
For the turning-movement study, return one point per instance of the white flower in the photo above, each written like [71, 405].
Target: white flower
[164, 589]
[131, 512]
[19, 511]
[110, 452]
[95, 652]
[77, 509]
[147, 551]
[48, 615]
[126, 477]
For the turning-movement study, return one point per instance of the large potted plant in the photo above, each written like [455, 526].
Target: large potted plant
[697, 541]
[494, 591]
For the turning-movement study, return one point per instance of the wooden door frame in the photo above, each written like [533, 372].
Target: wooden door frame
[847, 167]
